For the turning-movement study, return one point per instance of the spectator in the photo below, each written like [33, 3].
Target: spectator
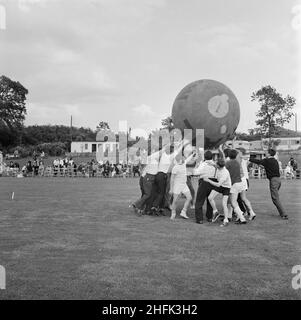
[29, 168]
[35, 167]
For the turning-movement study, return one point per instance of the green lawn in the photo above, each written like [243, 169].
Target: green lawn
[77, 239]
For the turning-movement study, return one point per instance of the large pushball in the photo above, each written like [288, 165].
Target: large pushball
[208, 105]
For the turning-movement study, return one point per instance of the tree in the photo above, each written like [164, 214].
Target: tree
[274, 110]
[167, 123]
[12, 102]
[103, 126]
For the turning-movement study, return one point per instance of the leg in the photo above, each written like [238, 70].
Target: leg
[148, 183]
[191, 188]
[167, 198]
[200, 199]
[248, 204]
[275, 185]
[234, 204]
[161, 185]
[209, 210]
[225, 208]
[241, 203]
[174, 206]
[141, 186]
[211, 197]
[186, 204]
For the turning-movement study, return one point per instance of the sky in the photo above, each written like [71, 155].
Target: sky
[112, 60]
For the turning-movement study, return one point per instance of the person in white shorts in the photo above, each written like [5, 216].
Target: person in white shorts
[223, 186]
[178, 185]
[244, 179]
[233, 167]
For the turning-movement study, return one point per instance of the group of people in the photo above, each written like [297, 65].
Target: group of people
[167, 175]
[68, 167]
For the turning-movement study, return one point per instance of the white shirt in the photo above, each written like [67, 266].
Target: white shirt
[223, 177]
[179, 170]
[143, 172]
[244, 167]
[152, 163]
[206, 168]
[165, 162]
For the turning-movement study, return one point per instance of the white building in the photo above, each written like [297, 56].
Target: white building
[93, 146]
[256, 145]
[286, 144]
[239, 144]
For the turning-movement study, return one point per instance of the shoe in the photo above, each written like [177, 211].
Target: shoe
[285, 217]
[173, 216]
[136, 210]
[161, 211]
[155, 211]
[240, 222]
[252, 217]
[216, 215]
[192, 207]
[184, 215]
[224, 224]
[200, 222]
[139, 212]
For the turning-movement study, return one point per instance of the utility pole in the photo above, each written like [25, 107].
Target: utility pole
[70, 132]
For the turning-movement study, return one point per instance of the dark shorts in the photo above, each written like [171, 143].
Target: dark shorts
[224, 191]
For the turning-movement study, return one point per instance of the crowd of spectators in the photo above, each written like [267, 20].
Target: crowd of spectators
[67, 167]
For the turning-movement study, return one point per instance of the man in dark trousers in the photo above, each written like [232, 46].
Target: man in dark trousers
[206, 169]
[271, 167]
[164, 169]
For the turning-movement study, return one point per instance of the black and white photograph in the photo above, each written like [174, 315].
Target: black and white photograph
[150, 150]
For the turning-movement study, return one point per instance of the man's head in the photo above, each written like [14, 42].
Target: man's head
[244, 154]
[208, 155]
[226, 152]
[272, 152]
[233, 154]
[220, 163]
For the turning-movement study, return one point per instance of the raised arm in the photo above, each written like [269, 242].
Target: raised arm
[172, 179]
[221, 152]
[256, 161]
[193, 154]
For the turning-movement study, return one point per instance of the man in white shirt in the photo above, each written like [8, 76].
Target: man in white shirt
[206, 169]
[223, 186]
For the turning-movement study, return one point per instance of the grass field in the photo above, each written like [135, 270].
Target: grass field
[77, 239]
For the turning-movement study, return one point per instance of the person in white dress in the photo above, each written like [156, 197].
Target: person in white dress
[178, 185]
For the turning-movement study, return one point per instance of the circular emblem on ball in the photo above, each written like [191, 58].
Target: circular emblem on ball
[218, 106]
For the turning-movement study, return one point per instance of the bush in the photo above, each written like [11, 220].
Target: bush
[52, 149]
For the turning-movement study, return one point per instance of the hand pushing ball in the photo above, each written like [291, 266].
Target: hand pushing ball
[208, 105]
